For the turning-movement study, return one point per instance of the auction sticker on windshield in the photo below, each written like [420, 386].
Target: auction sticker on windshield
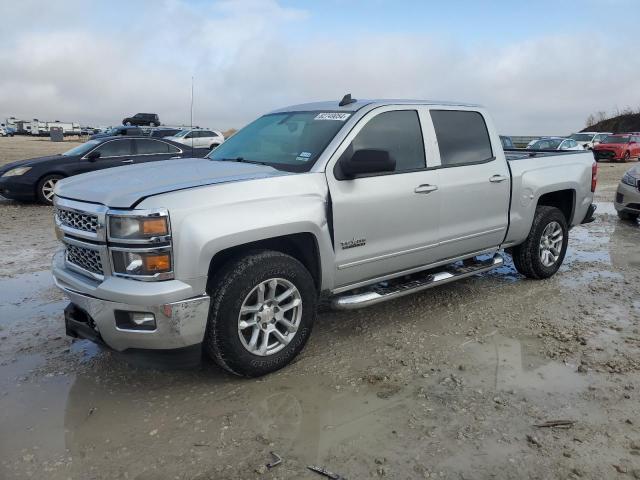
[341, 117]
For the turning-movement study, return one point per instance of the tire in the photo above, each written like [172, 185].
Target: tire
[627, 216]
[528, 257]
[237, 285]
[213, 145]
[127, 124]
[152, 124]
[44, 189]
[627, 156]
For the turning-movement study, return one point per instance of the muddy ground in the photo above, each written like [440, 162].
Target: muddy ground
[449, 384]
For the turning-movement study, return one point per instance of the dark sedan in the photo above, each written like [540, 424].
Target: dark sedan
[115, 131]
[34, 179]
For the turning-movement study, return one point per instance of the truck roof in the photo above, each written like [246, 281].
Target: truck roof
[333, 105]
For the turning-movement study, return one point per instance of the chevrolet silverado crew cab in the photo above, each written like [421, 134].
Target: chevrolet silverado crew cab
[357, 201]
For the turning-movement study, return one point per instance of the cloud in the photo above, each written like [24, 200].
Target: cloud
[252, 56]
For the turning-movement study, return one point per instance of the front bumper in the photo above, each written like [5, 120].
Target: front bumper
[15, 189]
[179, 323]
[608, 154]
[627, 198]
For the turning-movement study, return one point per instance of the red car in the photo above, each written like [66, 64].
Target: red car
[618, 148]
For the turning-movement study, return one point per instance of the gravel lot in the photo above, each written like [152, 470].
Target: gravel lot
[449, 384]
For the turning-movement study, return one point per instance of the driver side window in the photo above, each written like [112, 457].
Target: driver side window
[115, 148]
[397, 132]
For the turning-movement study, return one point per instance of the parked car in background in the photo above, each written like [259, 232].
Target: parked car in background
[143, 119]
[589, 139]
[34, 179]
[618, 148]
[229, 256]
[7, 131]
[506, 142]
[627, 201]
[162, 132]
[554, 143]
[116, 131]
[197, 138]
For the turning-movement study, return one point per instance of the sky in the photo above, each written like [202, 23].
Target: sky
[539, 67]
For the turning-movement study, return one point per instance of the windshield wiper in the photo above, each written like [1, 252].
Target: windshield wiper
[242, 160]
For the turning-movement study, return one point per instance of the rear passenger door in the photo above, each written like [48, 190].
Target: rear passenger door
[151, 150]
[384, 223]
[474, 183]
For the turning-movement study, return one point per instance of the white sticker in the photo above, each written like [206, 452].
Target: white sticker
[303, 157]
[341, 117]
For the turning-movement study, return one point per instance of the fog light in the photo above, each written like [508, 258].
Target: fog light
[143, 321]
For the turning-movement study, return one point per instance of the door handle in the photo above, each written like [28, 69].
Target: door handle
[127, 161]
[426, 188]
[497, 179]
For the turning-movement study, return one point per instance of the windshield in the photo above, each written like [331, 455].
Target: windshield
[181, 133]
[613, 139]
[546, 144]
[82, 149]
[581, 137]
[290, 141]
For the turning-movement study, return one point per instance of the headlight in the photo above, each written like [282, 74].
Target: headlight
[629, 179]
[14, 172]
[137, 228]
[155, 263]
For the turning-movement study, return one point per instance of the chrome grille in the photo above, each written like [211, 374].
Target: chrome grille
[80, 221]
[85, 258]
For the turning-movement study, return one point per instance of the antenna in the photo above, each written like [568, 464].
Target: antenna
[346, 100]
[191, 123]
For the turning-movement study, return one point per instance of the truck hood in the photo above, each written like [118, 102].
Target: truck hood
[123, 187]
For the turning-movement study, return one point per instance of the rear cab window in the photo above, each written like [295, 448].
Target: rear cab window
[463, 137]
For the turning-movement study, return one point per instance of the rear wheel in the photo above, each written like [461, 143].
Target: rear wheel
[543, 251]
[44, 190]
[214, 145]
[263, 306]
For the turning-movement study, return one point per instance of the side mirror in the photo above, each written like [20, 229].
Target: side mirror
[367, 161]
[93, 156]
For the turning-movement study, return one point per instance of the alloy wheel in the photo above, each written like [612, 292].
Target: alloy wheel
[551, 244]
[270, 316]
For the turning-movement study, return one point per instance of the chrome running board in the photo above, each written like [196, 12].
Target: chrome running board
[382, 292]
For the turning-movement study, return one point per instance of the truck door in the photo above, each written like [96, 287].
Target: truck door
[384, 222]
[474, 183]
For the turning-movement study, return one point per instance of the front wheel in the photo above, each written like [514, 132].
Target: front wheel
[44, 190]
[543, 251]
[263, 306]
[627, 216]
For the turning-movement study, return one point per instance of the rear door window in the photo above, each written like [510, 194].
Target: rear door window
[462, 136]
[151, 147]
[397, 132]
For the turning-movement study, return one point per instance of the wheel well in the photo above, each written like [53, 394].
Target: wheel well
[564, 200]
[301, 246]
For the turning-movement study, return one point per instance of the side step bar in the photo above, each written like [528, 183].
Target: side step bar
[381, 292]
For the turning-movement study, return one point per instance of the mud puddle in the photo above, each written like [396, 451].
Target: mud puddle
[444, 384]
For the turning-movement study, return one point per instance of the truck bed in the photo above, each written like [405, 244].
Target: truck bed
[521, 153]
[535, 173]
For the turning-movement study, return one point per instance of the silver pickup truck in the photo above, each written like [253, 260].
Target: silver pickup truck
[356, 202]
